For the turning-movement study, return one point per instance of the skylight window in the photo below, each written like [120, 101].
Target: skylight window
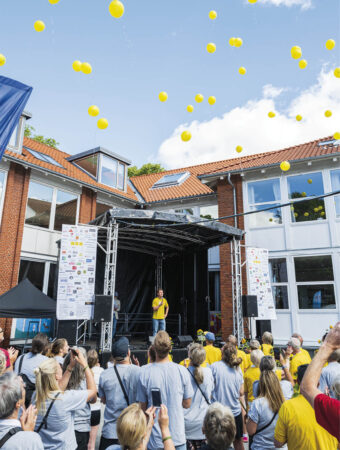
[44, 158]
[333, 142]
[173, 179]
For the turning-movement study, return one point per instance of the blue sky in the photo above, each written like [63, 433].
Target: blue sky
[156, 46]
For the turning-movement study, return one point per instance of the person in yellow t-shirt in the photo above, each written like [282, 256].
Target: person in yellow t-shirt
[267, 344]
[214, 354]
[254, 345]
[186, 361]
[240, 353]
[306, 353]
[299, 358]
[252, 375]
[297, 426]
[160, 309]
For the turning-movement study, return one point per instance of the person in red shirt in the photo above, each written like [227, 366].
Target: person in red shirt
[327, 410]
[11, 354]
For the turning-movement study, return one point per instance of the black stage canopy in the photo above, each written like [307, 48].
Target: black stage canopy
[149, 239]
[164, 234]
[26, 301]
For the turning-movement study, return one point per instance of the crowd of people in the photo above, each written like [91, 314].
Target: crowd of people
[215, 399]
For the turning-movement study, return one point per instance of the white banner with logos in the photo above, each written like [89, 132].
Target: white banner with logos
[259, 282]
[77, 272]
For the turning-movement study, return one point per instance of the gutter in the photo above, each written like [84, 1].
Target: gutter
[234, 199]
[236, 171]
[73, 180]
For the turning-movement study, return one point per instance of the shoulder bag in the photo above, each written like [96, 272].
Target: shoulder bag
[199, 387]
[122, 386]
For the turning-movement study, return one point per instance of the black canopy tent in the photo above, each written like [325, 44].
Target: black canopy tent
[161, 249]
[26, 301]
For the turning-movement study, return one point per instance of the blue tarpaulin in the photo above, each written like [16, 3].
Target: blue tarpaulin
[13, 99]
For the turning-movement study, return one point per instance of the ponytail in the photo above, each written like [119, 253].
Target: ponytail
[45, 383]
[229, 356]
[197, 357]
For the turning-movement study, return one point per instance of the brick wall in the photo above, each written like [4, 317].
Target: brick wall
[87, 209]
[226, 208]
[11, 232]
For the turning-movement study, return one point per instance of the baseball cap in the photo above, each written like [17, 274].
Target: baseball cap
[210, 336]
[120, 348]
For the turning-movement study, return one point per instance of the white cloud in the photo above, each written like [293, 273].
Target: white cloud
[250, 126]
[270, 91]
[305, 4]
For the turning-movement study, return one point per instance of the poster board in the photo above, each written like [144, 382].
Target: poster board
[77, 272]
[259, 282]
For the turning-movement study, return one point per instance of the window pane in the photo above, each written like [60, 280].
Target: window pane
[264, 191]
[39, 205]
[278, 270]
[265, 218]
[308, 185]
[308, 211]
[335, 177]
[34, 271]
[280, 294]
[209, 212]
[316, 297]
[121, 176]
[52, 280]
[314, 268]
[90, 164]
[109, 171]
[101, 208]
[66, 210]
[2, 181]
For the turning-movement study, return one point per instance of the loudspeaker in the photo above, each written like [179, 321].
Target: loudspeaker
[184, 341]
[103, 308]
[67, 329]
[262, 326]
[249, 306]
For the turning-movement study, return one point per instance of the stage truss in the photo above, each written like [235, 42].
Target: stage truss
[236, 279]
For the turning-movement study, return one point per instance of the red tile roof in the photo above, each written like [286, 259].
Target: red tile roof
[192, 186]
[69, 169]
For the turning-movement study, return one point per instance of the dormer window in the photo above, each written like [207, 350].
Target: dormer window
[104, 166]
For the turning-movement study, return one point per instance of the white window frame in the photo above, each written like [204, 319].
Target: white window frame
[286, 283]
[315, 283]
[336, 196]
[264, 204]
[3, 194]
[53, 205]
[100, 165]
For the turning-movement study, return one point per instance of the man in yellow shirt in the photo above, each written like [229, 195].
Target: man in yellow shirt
[267, 344]
[305, 352]
[160, 309]
[299, 358]
[214, 354]
[297, 426]
[252, 375]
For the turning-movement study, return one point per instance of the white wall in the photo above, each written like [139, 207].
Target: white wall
[288, 240]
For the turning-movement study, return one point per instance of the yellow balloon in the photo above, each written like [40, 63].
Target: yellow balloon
[2, 59]
[239, 148]
[242, 71]
[303, 64]
[213, 15]
[163, 96]
[102, 123]
[296, 214]
[190, 108]
[232, 41]
[212, 100]
[309, 181]
[54, 2]
[39, 26]
[199, 98]
[271, 114]
[296, 52]
[86, 68]
[303, 194]
[322, 213]
[336, 135]
[337, 72]
[186, 136]
[252, 1]
[76, 66]
[328, 113]
[238, 42]
[306, 214]
[116, 9]
[285, 166]
[316, 209]
[330, 44]
[298, 118]
[211, 47]
[93, 110]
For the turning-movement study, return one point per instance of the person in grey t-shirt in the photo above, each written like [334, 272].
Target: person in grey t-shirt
[329, 373]
[12, 393]
[26, 364]
[111, 392]
[174, 384]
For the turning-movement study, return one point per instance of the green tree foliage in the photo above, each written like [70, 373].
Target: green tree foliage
[144, 170]
[30, 133]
